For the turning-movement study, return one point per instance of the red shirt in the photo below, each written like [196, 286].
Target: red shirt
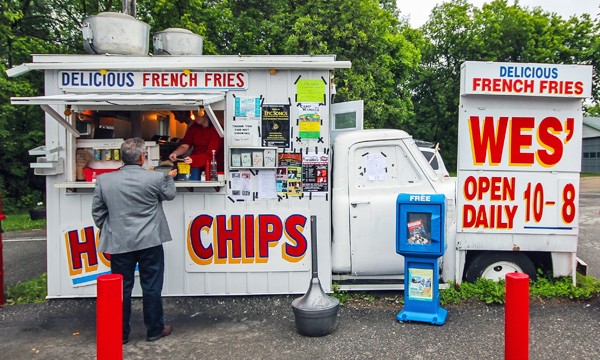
[204, 140]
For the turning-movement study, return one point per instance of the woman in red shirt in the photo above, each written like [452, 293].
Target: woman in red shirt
[203, 138]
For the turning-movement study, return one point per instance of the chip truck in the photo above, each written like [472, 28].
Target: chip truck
[292, 152]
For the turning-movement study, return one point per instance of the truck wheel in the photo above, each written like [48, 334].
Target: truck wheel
[495, 265]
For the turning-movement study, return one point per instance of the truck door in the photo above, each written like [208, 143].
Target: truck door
[378, 172]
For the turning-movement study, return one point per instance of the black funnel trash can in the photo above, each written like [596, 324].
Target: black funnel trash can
[315, 312]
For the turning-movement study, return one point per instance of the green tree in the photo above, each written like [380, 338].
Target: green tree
[457, 31]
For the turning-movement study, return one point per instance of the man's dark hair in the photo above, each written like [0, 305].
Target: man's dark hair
[131, 150]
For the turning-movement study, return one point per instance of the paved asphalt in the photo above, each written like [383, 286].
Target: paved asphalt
[262, 327]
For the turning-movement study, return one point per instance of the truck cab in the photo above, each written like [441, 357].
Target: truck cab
[369, 169]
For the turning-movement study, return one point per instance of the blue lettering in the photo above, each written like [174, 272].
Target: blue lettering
[130, 81]
[503, 71]
[65, 79]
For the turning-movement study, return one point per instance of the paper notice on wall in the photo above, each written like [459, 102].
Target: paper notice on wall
[266, 184]
[247, 107]
[315, 173]
[276, 126]
[289, 175]
[310, 91]
[241, 185]
[375, 167]
[309, 121]
[244, 133]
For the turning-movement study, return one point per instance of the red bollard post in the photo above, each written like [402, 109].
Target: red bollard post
[109, 317]
[2, 217]
[516, 317]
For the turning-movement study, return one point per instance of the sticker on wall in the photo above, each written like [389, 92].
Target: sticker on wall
[276, 126]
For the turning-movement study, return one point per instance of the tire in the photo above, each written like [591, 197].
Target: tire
[495, 265]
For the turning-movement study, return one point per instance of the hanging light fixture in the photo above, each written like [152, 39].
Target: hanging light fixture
[192, 115]
[201, 111]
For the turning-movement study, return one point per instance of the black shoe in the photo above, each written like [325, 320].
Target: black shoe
[167, 330]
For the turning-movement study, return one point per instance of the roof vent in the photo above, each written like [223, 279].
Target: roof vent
[176, 41]
[115, 33]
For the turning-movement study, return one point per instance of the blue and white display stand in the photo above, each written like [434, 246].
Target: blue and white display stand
[420, 220]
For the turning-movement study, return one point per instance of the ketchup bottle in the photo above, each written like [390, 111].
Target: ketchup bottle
[207, 170]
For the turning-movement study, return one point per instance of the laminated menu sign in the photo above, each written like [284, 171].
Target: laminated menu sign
[276, 126]
[417, 234]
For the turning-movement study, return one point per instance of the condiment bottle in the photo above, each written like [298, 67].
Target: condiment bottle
[213, 167]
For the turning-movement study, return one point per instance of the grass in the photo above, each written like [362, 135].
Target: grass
[491, 292]
[30, 291]
[21, 221]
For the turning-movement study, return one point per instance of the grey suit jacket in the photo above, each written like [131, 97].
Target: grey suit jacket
[127, 208]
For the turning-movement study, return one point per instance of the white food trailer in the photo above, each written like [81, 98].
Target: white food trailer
[249, 232]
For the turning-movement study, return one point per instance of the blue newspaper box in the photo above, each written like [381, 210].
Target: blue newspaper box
[420, 220]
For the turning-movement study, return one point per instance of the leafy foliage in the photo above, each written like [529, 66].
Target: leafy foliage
[21, 221]
[31, 291]
[491, 292]
[458, 31]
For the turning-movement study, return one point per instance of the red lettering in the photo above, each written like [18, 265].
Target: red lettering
[229, 240]
[193, 81]
[468, 216]
[155, 80]
[520, 141]
[488, 139]
[249, 237]
[552, 144]
[145, 79]
[218, 80]
[293, 231]
[270, 230]
[196, 249]
[578, 88]
[470, 188]
[241, 83]
[86, 248]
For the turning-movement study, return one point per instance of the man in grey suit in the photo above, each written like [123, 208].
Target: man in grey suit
[127, 208]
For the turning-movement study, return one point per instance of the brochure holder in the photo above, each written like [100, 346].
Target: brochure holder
[420, 220]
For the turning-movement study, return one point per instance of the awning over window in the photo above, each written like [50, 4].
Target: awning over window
[156, 101]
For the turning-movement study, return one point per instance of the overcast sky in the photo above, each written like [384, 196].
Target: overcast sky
[419, 10]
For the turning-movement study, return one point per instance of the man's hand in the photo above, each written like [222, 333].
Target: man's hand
[172, 173]
[187, 160]
[173, 156]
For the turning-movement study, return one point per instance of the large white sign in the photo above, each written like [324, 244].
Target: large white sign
[519, 160]
[526, 79]
[218, 242]
[151, 81]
